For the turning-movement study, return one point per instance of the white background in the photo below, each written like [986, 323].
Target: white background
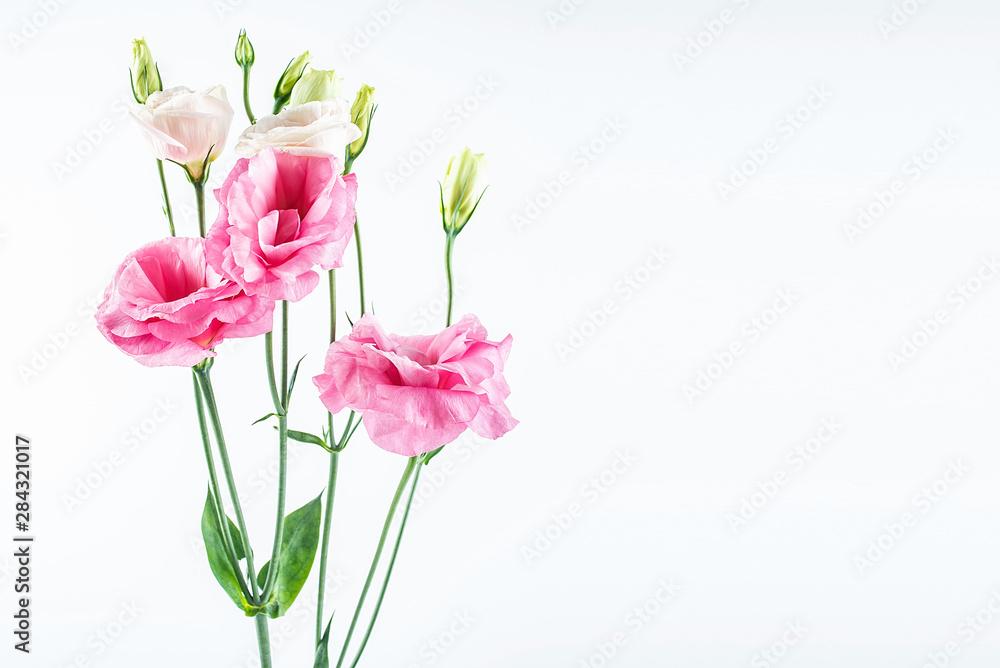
[651, 185]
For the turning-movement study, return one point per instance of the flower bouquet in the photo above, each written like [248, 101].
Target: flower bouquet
[286, 218]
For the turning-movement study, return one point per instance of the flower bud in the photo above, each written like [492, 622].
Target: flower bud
[315, 86]
[289, 77]
[244, 50]
[145, 74]
[463, 186]
[361, 113]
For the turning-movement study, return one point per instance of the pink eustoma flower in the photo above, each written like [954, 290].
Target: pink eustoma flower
[281, 215]
[417, 393]
[167, 307]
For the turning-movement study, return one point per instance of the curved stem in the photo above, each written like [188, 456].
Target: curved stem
[361, 265]
[166, 198]
[331, 481]
[246, 96]
[284, 356]
[447, 267]
[410, 464]
[279, 522]
[213, 412]
[269, 361]
[199, 196]
[213, 481]
[263, 641]
[331, 485]
[388, 572]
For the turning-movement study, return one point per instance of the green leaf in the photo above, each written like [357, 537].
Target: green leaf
[322, 659]
[306, 437]
[291, 382]
[269, 415]
[262, 576]
[298, 550]
[431, 455]
[218, 559]
[234, 531]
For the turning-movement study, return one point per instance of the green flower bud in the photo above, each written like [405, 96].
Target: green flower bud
[145, 74]
[289, 77]
[315, 85]
[244, 50]
[463, 186]
[361, 114]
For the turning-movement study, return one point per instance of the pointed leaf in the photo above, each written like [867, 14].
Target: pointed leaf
[234, 531]
[262, 576]
[322, 659]
[306, 437]
[298, 550]
[291, 382]
[269, 415]
[218, 559]
[431, 455]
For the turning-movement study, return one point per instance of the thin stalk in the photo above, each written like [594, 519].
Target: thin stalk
[213, 412]
[410, 464]
[279, 523]
[199, 196]
[361, 265]
[263, 641]
[213, 480]
[269, 360]
[447, 267]
[166, 198]
[282, 408]
[324, 555]
[331, 481]
[246, 96]
[388, 572]
[284, 355]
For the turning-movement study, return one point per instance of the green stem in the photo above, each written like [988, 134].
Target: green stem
[279, 522]
[447, 267]
[213, 480]
[284, 356]
[361, 265]
[324, 555]
[263, 641]
[166, 198]
[410, 464]
[199, 196]
[388, 572]
[332, 276]
[213, 412]
[246, 95]
[331, 482]
[269, 361]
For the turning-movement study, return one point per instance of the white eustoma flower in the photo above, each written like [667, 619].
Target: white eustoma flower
[184, 126]
[316, 129]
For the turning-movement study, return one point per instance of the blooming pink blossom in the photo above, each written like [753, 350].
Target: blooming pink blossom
[281, 215]
[417, 393]
[167, 307]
